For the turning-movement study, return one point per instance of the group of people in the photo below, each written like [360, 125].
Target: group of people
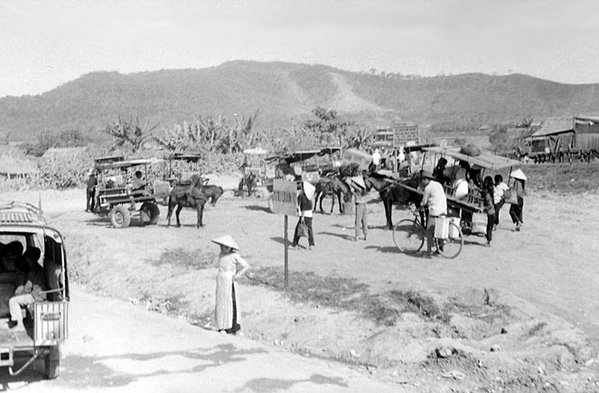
[31, 283]
[493, 192]
[138, 184]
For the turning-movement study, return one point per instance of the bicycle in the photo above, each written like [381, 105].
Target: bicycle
[409, 236]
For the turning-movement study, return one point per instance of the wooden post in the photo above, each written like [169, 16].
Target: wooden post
[286, 243]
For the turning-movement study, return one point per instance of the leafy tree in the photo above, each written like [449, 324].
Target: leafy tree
[328, 129]
[130, 134]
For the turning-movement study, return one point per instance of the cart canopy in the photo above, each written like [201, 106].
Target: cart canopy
[485, 160]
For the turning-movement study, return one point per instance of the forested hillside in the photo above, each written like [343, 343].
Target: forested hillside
[285, 93]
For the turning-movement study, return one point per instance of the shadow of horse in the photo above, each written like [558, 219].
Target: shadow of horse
[194, 196]
[392, 193]
[335, 187]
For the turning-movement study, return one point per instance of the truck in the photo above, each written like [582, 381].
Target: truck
[23, 229]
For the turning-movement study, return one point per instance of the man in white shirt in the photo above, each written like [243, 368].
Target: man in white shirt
[434, 198]
[376, 159]
[498, 199]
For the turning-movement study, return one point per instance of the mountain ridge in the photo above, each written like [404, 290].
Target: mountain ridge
[283, 92]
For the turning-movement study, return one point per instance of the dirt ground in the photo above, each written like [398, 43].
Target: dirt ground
[540, 336]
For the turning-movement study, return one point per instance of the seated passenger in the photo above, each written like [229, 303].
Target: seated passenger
[138, 183]
[30, 290]
[9, 255]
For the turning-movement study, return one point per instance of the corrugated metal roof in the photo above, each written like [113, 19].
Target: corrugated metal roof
[556, 125]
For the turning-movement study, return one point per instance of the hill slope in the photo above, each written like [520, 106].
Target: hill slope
[282, 91]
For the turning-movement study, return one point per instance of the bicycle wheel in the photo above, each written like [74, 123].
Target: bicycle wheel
[452, 246]
[408, 236]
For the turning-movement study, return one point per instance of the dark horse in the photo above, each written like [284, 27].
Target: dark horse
[391, 192]
[248, 182]
[194, 196]
[335, 187]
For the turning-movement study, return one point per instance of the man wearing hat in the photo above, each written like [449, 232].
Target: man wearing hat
[92, 182]
[305, 211]
[434, 198]
[518, 187]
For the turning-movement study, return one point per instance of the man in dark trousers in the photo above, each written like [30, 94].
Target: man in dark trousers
[92, 182]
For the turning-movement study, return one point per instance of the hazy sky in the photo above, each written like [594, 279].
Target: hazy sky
[44, 44]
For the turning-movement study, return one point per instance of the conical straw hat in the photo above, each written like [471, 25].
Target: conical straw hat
[309, 189]
[518, 174]
[226, 240]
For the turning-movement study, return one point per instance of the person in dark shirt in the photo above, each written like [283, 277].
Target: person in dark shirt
[92, 182]
[305, 210]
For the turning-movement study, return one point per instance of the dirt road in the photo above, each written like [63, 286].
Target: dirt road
[118, 347]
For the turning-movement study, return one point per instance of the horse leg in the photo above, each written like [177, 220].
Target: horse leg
[170, 212]
[179, 208]
[200, 210]
[388, 204]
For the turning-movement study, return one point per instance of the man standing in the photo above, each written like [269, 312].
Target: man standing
[92, 182]
[376, 159]
[434, 198]
[361, 211]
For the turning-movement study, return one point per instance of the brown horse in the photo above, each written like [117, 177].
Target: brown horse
[391, 192]
[334, 186]
[194, 196]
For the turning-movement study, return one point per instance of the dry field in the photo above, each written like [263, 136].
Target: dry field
[519, 316]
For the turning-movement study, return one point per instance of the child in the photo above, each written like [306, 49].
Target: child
[231, 266]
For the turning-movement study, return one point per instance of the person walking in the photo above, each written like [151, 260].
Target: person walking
[434, 198]
[516, 209]
[361, 211]
[498, 199]
[306, 213]
[90, 191]
[489, 206]
[231, 267]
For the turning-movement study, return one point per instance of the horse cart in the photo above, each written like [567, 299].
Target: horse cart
[464, 201]
[303, 165]
[120, 196]
[255, 172]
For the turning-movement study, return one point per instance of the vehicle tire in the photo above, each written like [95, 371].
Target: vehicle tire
[408, 236]
[150, 213]
[52, 362]
[120, 216]
[452, 246]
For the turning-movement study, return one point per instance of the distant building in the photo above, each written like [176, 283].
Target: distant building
[578, 133]
[399, 134]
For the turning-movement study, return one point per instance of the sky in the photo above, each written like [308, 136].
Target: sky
[44, 44]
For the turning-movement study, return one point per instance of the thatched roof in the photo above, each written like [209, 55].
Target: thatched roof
[14, 165]
[64, 152]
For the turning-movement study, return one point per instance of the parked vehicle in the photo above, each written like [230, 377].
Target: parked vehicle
[117, 196]
[46, 322]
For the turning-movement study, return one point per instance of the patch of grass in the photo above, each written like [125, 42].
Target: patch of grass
[350, 295]
[563, 178]
[197, 259]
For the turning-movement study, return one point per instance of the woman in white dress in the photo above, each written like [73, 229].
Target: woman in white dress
[231, 266]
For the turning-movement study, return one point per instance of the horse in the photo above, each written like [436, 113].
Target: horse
[391, 192]
[194, 196]
[248, 181]
[334, 186]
